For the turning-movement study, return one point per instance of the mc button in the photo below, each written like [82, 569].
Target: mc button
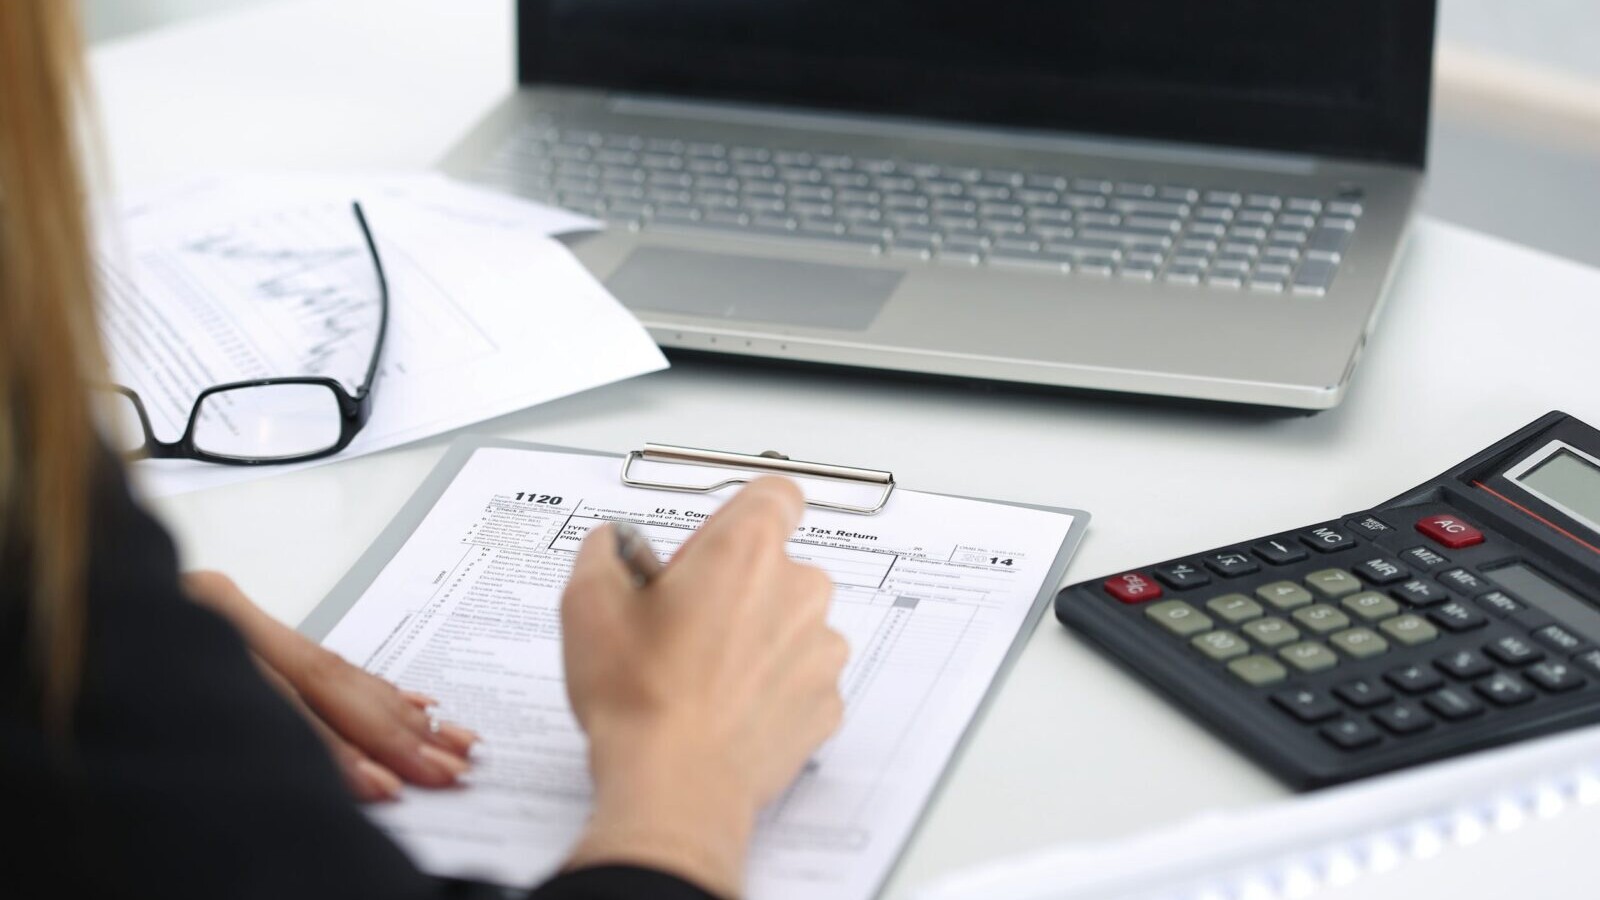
[1326, 538]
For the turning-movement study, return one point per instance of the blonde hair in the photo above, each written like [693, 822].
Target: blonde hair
[50, 354]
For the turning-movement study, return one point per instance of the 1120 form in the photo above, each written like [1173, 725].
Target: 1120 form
[931, 594]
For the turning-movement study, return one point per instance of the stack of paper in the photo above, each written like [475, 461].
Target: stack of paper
[236, 277]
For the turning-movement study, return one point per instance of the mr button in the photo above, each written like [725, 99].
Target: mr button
[1450, 531]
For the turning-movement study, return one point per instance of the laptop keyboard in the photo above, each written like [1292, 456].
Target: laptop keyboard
[1057, 222]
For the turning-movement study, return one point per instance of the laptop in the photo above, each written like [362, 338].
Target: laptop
[1202, 201]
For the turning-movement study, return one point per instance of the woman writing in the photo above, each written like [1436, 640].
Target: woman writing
[161, 736]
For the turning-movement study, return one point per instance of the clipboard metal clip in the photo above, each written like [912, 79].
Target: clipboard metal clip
[770, 462]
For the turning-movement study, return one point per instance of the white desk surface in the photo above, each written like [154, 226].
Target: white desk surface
[1480, 337]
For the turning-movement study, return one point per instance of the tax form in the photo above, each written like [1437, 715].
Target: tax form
[460, 600]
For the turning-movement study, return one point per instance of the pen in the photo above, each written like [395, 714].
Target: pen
[635, 552]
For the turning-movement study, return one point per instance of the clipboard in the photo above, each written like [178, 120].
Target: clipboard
[729, 470]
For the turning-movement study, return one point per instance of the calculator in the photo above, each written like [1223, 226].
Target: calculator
[1461, 615]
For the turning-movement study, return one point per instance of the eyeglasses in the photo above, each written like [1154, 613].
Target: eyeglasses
[262, 422]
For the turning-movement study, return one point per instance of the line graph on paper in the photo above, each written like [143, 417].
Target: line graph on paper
[288, 292]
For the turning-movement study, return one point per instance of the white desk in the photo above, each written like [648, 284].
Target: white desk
[1480, 338]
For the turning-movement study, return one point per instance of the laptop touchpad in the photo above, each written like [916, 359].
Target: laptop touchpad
[752, 288]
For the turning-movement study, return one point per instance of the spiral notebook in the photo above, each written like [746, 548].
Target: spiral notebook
[1518, 822]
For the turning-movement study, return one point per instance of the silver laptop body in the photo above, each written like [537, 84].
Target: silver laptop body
[890, 239]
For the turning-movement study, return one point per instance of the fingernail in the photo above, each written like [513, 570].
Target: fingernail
[384, 780]
[453, 764]
[417, 699]
[458, 736]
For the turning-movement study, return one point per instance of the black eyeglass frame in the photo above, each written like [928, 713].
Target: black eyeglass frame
[354, 408]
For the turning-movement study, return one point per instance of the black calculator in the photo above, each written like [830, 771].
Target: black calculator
[1463, 614]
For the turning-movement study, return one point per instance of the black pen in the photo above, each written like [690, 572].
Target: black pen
[635, 553]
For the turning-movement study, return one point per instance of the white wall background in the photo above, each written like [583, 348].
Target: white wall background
[1515, 149]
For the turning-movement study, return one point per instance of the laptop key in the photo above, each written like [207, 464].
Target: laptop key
[1327, 242]
[1039, 259]
[1086, 245]
[954, 255]
[1314, 276]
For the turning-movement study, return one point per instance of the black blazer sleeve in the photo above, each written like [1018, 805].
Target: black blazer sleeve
[186, 775]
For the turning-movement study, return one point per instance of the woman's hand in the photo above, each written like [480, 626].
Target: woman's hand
[378, 734]
[702, 693]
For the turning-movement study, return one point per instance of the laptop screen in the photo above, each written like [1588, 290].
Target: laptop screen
[1347, 78]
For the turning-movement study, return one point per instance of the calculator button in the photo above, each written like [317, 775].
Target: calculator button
[1499, 603]
[1258, 670]
[1409, 629]
[1531, 619]
[1306, 705]
[1221, 645]
[1360, 643]
[1381, 570]
[1278, 552]
[1557, 638]
[1179, 617]
[1367, 525]
[1589, 659]
[1504, 690]
[1464, 664]
[1132, 587]
[1309, 657]
[1465, 581]
[1272, 632]
[1514, 651]
[1457, 616]
[1350, 734]
[1333, 583]
[1363, 693]
[1182, 575]
[1404, 718]
[1284, 594]
[1232, 563]
[1423, 558]
[1326, 538]
[1453, 703]
[1554, 677]
[1234, 608]
[1321, 619]
[1371, 605]
[1420, 593]
[1450, 531]
[1413, 679]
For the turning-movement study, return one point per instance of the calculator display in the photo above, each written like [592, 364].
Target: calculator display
[1569, 481]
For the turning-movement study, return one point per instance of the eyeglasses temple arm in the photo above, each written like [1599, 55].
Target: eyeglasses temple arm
[383, 298]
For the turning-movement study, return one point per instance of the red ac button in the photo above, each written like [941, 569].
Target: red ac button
[1132, 587]
[1450, 531]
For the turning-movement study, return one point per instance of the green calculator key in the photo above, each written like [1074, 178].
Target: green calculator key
[1258, 670]
[1221, 645]
[1309, 657]
[1272, 632]
[1333, 583]
[1409, 629]
[1371, 606]
[1360, 643]
[1179, 617]
[1321, 618]
[1284, 594]
[1234, 608]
